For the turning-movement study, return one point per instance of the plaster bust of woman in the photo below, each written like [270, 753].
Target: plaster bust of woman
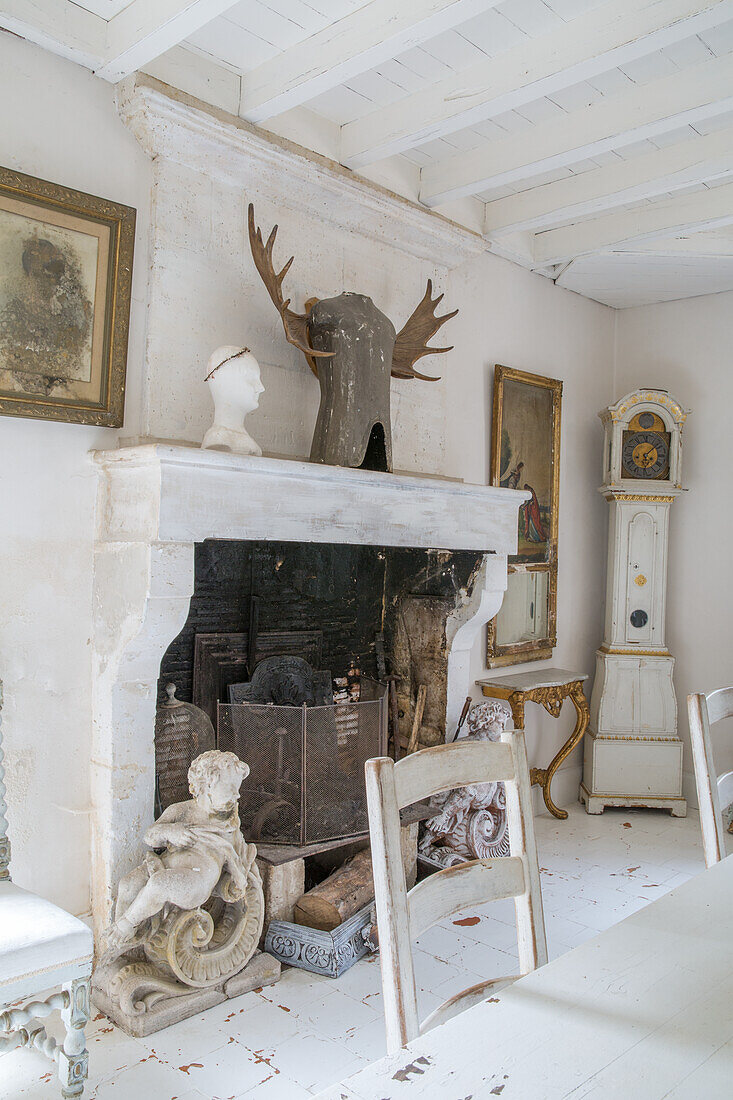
[235, 384]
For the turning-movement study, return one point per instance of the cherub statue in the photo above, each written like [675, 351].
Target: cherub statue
[470, 822]
[188, 919]
[203, 852]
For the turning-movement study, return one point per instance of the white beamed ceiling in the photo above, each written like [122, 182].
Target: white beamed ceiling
[587, 139]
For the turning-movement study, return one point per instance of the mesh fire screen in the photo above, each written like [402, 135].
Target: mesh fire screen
[306, 781]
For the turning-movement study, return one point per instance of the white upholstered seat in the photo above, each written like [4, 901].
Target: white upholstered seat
[36, 936]
[41, 946]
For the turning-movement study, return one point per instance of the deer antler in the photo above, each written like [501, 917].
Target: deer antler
[412, 342]
[295, 324]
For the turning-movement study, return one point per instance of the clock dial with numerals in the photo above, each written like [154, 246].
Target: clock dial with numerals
[645, 454]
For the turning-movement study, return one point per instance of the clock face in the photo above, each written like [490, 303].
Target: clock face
[645, 454]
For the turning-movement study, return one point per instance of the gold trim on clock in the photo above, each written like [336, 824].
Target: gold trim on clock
[653, 498]
[634, 652]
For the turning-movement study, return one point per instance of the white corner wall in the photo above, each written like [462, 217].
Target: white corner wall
[61, 123]
[58, 123]
[686, 347]
[518, 319]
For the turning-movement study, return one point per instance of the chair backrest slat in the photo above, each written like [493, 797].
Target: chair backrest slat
[402, 916]
[720, 705]
[390, 895]
[466, 884]
[447, 767]
[703, 710]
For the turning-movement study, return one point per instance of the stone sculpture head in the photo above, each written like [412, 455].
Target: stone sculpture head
[214, 779]
[235, 384]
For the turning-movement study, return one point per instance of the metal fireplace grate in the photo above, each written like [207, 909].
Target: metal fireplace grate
[306, 781]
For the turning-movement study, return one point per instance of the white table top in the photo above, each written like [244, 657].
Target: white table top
[644, 1010]
[526, 681]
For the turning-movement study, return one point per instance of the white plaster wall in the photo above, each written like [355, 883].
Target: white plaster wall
[521, 320]
[685, 347]
[59, 123]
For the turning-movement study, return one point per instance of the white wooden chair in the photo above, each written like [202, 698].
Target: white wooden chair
[714, 793]
[403, 915]
[41, 946]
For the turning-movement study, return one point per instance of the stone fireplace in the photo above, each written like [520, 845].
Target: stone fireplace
[423, 546]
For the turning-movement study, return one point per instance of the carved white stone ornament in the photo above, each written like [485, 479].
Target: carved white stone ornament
[233, 377]
[470, 822]
[190, 916]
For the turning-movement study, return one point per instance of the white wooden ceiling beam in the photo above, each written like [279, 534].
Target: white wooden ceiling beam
[683, 98]
[64, 29]
[198, 75]
[713, 242]
[365, 38]
[702, 210]
[598, 40]
[145, 29]
[697, 160]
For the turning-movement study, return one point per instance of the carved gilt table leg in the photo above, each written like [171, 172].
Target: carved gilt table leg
[549, 689]
[544, 776]
[516, 702]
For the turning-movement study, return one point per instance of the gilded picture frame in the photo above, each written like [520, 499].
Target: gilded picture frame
[65, 286]
[525, 454]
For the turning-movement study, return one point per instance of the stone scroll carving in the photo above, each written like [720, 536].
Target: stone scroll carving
[470, 822]
[190, 916]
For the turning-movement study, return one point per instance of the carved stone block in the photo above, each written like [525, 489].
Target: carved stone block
[282, 886]
[261, 970]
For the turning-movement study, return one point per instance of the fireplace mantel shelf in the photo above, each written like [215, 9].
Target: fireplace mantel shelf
[164, 493]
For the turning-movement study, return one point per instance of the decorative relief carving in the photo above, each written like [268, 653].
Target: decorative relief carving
[329, 953]
[470, 822]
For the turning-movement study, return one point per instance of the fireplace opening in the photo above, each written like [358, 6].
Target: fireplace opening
[359, 618]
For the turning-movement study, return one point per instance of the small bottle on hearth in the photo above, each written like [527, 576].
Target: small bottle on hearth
[353, 678]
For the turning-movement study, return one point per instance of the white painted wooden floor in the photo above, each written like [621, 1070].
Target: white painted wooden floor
[307, 1032]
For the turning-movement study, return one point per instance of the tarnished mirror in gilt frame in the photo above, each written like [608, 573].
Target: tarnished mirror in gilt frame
[525, 454]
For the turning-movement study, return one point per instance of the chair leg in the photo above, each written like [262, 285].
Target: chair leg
[73, 1055]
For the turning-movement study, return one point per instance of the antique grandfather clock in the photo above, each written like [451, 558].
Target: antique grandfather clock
[633, 756]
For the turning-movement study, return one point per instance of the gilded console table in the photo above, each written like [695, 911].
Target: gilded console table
[550, 688]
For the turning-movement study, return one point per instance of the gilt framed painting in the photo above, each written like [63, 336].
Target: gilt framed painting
[65, 282]
[525, 455]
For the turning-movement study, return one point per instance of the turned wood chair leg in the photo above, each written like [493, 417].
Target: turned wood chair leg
[73, 1055]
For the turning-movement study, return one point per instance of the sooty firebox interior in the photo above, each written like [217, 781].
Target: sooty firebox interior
[344, 609]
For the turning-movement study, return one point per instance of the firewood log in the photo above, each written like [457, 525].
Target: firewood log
[339, 896]
[349, 888]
